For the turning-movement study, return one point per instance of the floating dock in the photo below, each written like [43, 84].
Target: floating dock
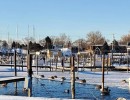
[11, 79]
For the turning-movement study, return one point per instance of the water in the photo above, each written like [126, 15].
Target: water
[54, 89]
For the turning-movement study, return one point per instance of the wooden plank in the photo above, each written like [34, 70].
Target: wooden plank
[22, 65]
[11, 79]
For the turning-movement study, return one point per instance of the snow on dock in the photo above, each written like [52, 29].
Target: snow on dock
[11, 79]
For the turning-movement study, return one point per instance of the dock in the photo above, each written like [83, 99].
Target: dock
[11, 79]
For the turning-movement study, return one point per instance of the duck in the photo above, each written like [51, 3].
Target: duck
[25, 89]
[61, 83]
[55, 76]
[63, 78]
[124, 81]
[42, 76]
[106, 91]
[66, 91]
[4, 85]
[83, 81]
[98, 87]
[76, 78]
[42, 84]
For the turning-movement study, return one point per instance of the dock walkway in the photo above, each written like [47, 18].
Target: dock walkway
[11, 79]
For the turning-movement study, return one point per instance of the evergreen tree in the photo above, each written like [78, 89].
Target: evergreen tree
[105, 48]
[48, 44]
[13, 44]
[116, 46]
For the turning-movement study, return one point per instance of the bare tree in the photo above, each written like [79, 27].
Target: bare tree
[95, 38]
[63, 39]
[42, 42]
[26, 40]
[4, 44]
[125, 39]
[80, 43]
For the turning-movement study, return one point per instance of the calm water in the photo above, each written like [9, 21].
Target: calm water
[54, 89]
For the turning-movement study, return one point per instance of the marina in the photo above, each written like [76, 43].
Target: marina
[72, 74]
[64, 50]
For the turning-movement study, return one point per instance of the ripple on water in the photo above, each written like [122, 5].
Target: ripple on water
[53, 89]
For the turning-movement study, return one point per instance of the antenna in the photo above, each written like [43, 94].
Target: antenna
[33, 31]
[17, 31]
[28, 31]
[113, 41]
[8, 37]
[113, 36]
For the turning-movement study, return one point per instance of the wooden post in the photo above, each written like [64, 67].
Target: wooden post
[94, 61]
[102, 90]
[129, 84]
[83, 61]
[50, 63]
[37, 64]
[29, 68]
[109, 61]
[78, 63]
[22, 62]
[107, 64]
[72, 78]
[15, 63]
[91, 61]
[11, 61]
[15, 85]
[15, 74]
[56, 61]
[52, 60]
[112, 59]
[128, 64]
[62, 62]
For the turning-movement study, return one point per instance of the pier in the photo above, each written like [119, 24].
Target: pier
[11, 79]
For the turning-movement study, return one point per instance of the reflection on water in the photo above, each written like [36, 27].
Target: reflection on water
[53, 89]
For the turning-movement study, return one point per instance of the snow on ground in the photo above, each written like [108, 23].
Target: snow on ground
[112, 79]
[2, 97]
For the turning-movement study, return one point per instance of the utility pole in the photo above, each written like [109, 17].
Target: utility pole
[112, 48]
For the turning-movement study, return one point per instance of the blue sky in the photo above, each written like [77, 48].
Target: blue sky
[76, 18]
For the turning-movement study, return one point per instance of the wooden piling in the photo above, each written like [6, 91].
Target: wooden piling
[72, 78]
[56, 61]
[78, 63]
[37, 63]
[62, 62]
[102, 74]
[91, 60]
[94, 59]
[22, 62]
[83, 61]
[50, 64]
[107, 63]
[11, 61]
[29, 65]
[15, 74]
[15, 69]
[29, 69]
[128, 64]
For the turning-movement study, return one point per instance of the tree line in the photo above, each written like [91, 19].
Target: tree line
[92, 38]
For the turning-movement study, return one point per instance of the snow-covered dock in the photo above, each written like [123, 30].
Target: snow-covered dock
[11, 79]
